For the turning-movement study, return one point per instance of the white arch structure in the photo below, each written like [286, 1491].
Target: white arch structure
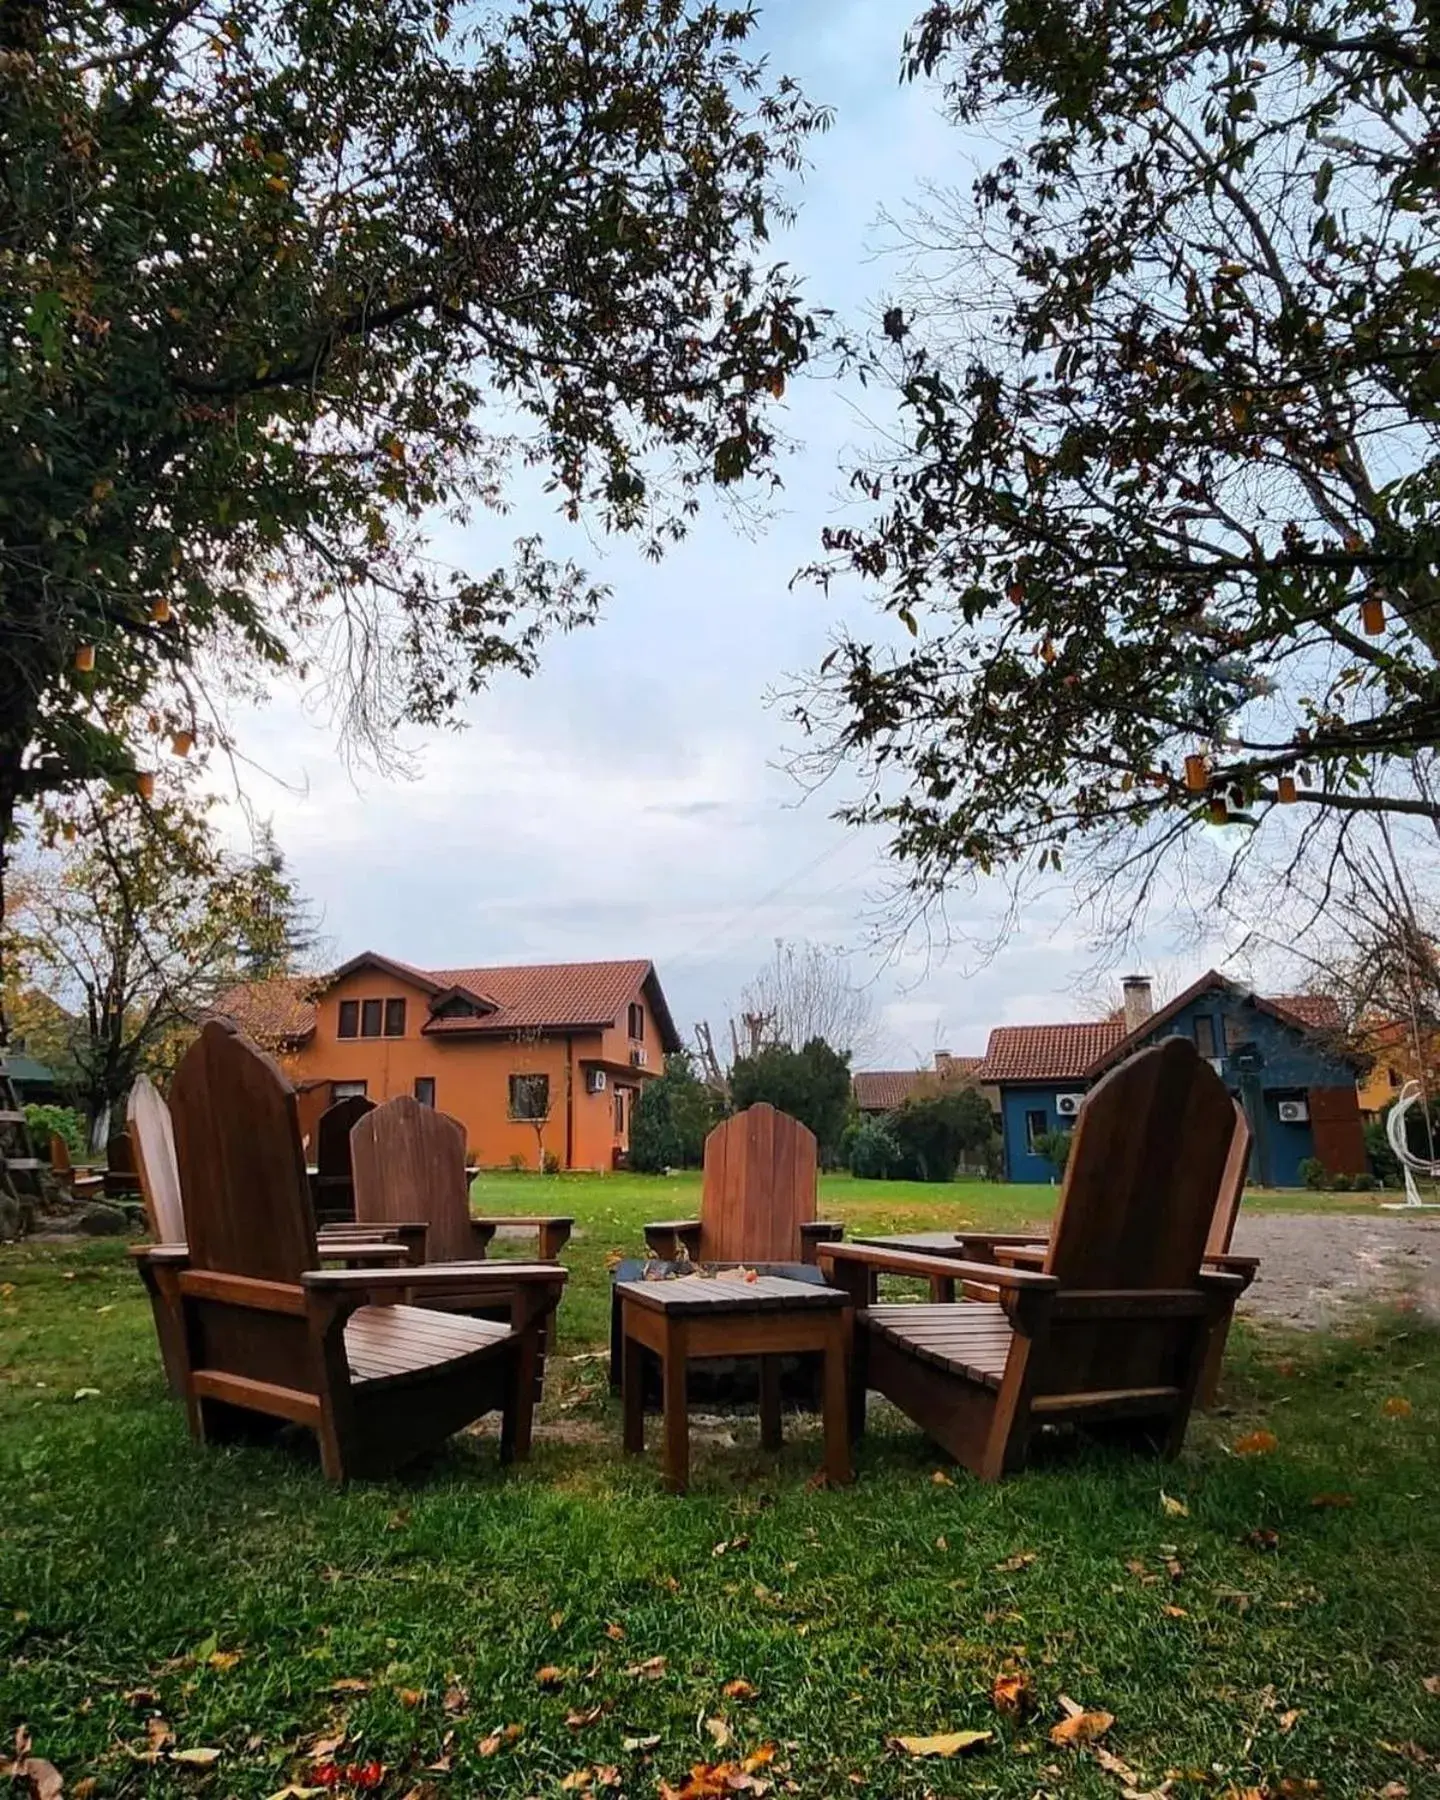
[1412, 1164]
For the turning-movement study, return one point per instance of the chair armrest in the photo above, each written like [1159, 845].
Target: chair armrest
[168, 1256]
[1246, 1267]
[662, 1237]
[446, 1277]
[1020, 1256]
[909, 1262]
[410, 1233]
[552, 1230]
[361, 1253]
[1222, 1282]
[817, 1232]
[985, 1246]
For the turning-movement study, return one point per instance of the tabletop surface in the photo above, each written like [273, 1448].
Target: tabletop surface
[732, 1293]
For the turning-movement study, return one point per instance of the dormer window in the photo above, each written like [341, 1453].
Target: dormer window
[456, 1007]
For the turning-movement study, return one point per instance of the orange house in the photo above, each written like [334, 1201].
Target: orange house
[539, 1064]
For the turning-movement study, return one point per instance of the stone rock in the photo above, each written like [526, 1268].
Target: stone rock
[99, 1220]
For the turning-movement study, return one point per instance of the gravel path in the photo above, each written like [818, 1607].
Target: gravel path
[1314, 1267]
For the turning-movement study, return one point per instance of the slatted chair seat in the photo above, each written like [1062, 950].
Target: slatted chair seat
[388, 1343]
[972, 1340]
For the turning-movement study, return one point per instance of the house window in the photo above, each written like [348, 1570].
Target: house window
[619, 1112]
[425, 1088]
[1393, 1076]
[637, 1019]
[394, 1018]
[1235, 1034]
[1205, 1035]
[1037, 1123]
[370, 1015]
[530, 1097]
[349, 1018]
[347, 1090]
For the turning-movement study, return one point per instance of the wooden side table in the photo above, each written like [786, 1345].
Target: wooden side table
[727, 1315]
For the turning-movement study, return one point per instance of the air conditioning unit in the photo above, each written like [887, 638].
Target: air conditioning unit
[594, 1081]
[1294, 1112]
[1067, 1105]
[638, 1059]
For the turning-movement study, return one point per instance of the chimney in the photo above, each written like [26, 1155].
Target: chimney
[942, 1062]
[1138, 1002]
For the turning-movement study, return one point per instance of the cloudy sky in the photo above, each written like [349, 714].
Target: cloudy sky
[632, 798]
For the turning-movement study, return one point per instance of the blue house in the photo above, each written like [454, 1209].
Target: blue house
[1281, 1058]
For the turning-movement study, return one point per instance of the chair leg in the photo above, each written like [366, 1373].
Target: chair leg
[517, 1420]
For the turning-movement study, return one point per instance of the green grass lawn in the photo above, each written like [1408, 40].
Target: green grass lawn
[1250, 1640]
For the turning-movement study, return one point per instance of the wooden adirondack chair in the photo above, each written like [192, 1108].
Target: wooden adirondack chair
[332, 1186]
[152, 1134]
[757, 1204]
[153, 1137]
[270, 1333]
[62, 1167]
[1115, 1327]
[408, 1162]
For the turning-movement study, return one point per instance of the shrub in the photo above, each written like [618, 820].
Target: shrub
[812, 1084]
[934, 1130]
[64, 1120]
[1341, 1183]
[1054, 1146]
[1312, 1173]
[551, 1162]
[516, 1163]
[1384, 1165]
[872, 1152]
[673, 1116]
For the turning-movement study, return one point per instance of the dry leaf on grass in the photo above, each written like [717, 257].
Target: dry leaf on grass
[195, 1759]
[1263, 1537]
[549, 1676]
[410, 1698]
[944, 1743]
[1431, 1684]
[1396, 1407]
[323, 1748]
[1175, 1612]
[223, 1661]
[349, 1684]
[1081, 1727]
[34, 1778]
[580, 1721]
[738, 1689]
[158, 1736]
[1022, 1559]
[1333, 1500]
[719, 1732]
[500, 1740]
[1256, 1443]
[1114, 1765]
[650, 1670]
[1012, 1694]
[941, 1479]
[293, 1792]
[614, 1632]
[726, 1545]
[640, 1743]
[1175, 1509]
[1288, 1720]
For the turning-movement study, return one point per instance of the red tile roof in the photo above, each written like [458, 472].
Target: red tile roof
[276, 1013]
[1321, 1012]
[1079, 1052]
[1047, 1052]
[542, 997]
[882, 1090]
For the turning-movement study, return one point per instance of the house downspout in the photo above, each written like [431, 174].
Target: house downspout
[569, 1100]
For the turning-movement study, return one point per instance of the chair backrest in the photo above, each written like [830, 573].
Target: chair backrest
[242, 1169]
[60, 1160]
[409, 1163]
[760, 1180]
[1145, 1169]
[120, 1154]
[332, 1134]
[1232, 1187]
[153, 1136]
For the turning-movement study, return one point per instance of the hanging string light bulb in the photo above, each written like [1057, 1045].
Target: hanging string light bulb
[85, 658]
